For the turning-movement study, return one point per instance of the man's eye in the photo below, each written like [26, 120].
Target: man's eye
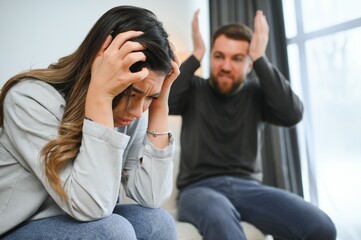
[239, 59]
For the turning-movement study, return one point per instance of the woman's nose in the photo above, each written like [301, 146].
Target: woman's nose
[137, 110]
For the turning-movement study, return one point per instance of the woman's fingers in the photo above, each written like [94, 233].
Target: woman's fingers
[129, 47]
[131, 52]
[175, 70]
[125, 53]
[121, 38]
[175, 53]
[105, 45]
[138, 76]
[172, 75]
[110, 73]
[162, 99]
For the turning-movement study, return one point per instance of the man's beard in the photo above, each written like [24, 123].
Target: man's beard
[234, 87]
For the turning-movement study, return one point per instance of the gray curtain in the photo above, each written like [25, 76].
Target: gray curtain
[280, 152]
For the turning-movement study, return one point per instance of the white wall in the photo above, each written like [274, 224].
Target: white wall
[35, 33]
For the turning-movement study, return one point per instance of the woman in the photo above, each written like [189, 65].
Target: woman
[72, 133]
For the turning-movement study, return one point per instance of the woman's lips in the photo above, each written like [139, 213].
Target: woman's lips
[123, 121]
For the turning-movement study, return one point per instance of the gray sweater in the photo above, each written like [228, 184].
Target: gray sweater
[32, 112]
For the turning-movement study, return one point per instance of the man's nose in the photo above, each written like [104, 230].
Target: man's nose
[226, 65]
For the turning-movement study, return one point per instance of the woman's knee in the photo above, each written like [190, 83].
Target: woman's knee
[112, 227]
[148, 223]
[163, 225]
[64, 227]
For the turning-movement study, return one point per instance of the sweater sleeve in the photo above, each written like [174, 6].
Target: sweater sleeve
[178, 100]
[32, 113]
[281, 106]
[148, 171]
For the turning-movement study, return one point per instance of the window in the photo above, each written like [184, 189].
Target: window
[325, 64]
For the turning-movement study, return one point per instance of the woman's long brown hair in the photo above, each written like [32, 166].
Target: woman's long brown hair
[71, 76]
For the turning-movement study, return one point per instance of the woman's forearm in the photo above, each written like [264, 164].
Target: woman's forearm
[158, 126]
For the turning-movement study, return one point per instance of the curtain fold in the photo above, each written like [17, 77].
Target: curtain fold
[280, 152]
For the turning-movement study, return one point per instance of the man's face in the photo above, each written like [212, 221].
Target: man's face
[230, 64]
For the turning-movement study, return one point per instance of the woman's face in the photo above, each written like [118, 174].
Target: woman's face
[142, 95]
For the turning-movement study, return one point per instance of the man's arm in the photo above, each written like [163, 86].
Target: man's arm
[281, 106]
[179, 90]
[178, 93]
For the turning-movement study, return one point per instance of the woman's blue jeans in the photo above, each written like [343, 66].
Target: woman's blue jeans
[217, 205]
[128, 222]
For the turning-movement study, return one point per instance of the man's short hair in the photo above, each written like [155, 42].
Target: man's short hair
[235, 31]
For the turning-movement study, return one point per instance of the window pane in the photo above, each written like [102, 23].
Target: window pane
[325, 13]
[289, 14]
[297, 86]
[294, 66]
[335, 99]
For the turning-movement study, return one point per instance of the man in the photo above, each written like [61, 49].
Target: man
[219, 177]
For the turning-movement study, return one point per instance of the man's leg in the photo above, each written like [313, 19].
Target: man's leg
[210, 211]
[149, 223]
[280, 213]
[64, 227]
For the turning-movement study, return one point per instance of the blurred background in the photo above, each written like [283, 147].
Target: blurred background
[322, 44]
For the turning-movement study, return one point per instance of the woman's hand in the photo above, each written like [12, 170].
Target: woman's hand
[110, 75]
[158, 109]
[162, 100]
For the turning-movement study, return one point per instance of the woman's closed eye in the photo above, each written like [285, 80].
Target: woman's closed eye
[148, 98]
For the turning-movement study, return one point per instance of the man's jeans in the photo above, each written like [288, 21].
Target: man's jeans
[217, 205]
[126, 223]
